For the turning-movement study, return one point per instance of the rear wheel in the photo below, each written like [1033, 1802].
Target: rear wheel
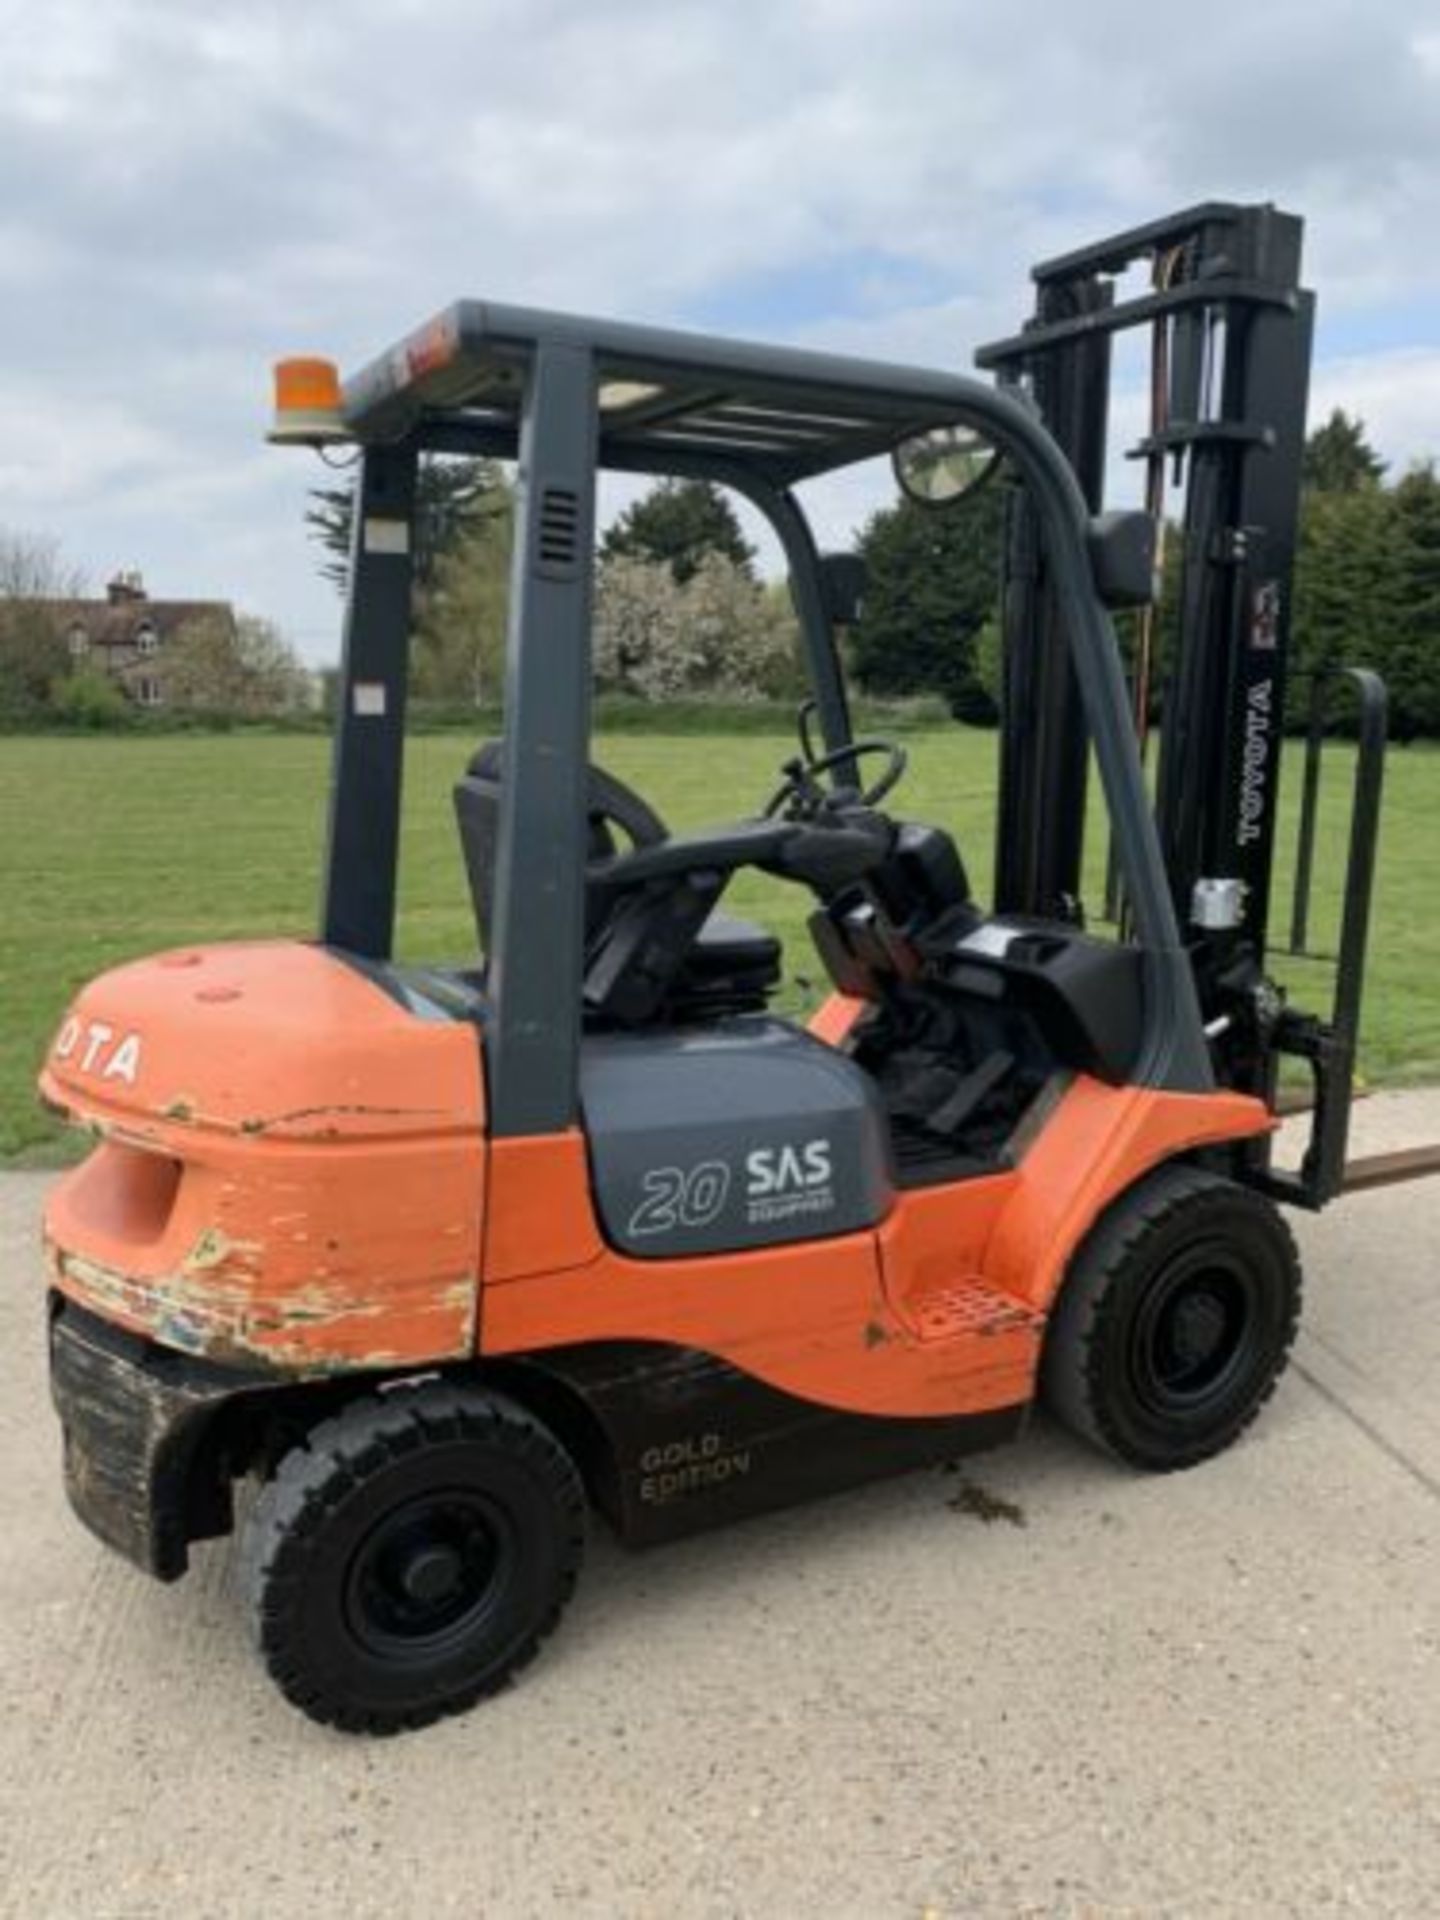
[411, 1555]
[1175, 1321]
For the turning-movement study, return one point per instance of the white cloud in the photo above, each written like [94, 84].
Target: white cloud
[1396, 394]
[54, 453]
[192, 192]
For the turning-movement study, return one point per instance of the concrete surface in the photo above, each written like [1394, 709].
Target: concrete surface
[1215, 1694]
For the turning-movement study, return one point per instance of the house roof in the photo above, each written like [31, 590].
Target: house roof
[110, 623]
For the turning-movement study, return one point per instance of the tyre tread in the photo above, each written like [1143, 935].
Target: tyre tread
[1088, 1302]
[315, 1475]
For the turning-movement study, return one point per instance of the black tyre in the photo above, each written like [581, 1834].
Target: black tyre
[1175, 1321]
[411, 1555]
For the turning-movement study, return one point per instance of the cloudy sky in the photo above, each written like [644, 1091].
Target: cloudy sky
[188, 191]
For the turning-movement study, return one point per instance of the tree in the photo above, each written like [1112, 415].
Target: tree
[933, 581]
[1367, 579]
[641, 646]
[33, 657]
[89, 698]
[459, 648]
[678, 523]
[1410, 659]
[277, 681]
[33, 652]
[743, 638]
[33, 568]
[449, 493]
[718, 633]
[1338, 458]
[990, 661]
[1345, 579]
[245, 669]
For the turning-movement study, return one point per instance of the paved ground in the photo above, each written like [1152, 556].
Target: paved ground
[1217, 1694]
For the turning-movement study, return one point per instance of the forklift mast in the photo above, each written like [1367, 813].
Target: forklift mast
[1230, 330]
[1230, 423]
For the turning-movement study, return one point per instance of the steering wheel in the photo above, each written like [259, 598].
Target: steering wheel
[802, 796]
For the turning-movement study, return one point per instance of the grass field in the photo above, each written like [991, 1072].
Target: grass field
[114, 847]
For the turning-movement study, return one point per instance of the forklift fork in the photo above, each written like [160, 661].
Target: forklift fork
[1329, 1046]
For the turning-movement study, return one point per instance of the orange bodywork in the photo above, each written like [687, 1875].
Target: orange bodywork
[939, 1311]
[293, 1168]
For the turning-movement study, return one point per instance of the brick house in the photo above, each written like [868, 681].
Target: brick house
[126, 633]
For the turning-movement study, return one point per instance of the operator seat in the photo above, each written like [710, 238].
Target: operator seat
[732, 966]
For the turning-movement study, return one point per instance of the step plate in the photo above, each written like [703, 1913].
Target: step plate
[970, 1306]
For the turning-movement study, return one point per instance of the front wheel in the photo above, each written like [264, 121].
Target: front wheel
[1175, 1321]
[409, 1557]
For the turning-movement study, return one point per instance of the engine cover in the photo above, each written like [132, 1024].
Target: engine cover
[744, 1134]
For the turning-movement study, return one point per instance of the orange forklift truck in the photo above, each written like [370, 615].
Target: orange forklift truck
[445, 1257]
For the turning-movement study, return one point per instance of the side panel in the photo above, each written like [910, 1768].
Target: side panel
[806, 1318]
[938, 1314]
[693, 1442]
[538, 1216]
[744, 1134]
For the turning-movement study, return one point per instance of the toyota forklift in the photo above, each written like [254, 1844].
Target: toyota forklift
[445, 1258]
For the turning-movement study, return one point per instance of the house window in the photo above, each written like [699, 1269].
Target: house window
[79, 643]
[147, 691]
[147, 641]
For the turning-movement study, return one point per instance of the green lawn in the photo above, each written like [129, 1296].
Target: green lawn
[115, 846]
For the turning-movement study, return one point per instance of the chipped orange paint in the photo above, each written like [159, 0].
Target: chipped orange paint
[297, 1172]
[296, 1175]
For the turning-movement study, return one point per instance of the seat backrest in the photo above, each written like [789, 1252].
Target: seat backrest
[612, 806]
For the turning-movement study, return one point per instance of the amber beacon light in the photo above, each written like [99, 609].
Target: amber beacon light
[307, 404]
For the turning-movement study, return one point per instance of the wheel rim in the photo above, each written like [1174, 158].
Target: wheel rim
[1193, 1332]
[428, 1575]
